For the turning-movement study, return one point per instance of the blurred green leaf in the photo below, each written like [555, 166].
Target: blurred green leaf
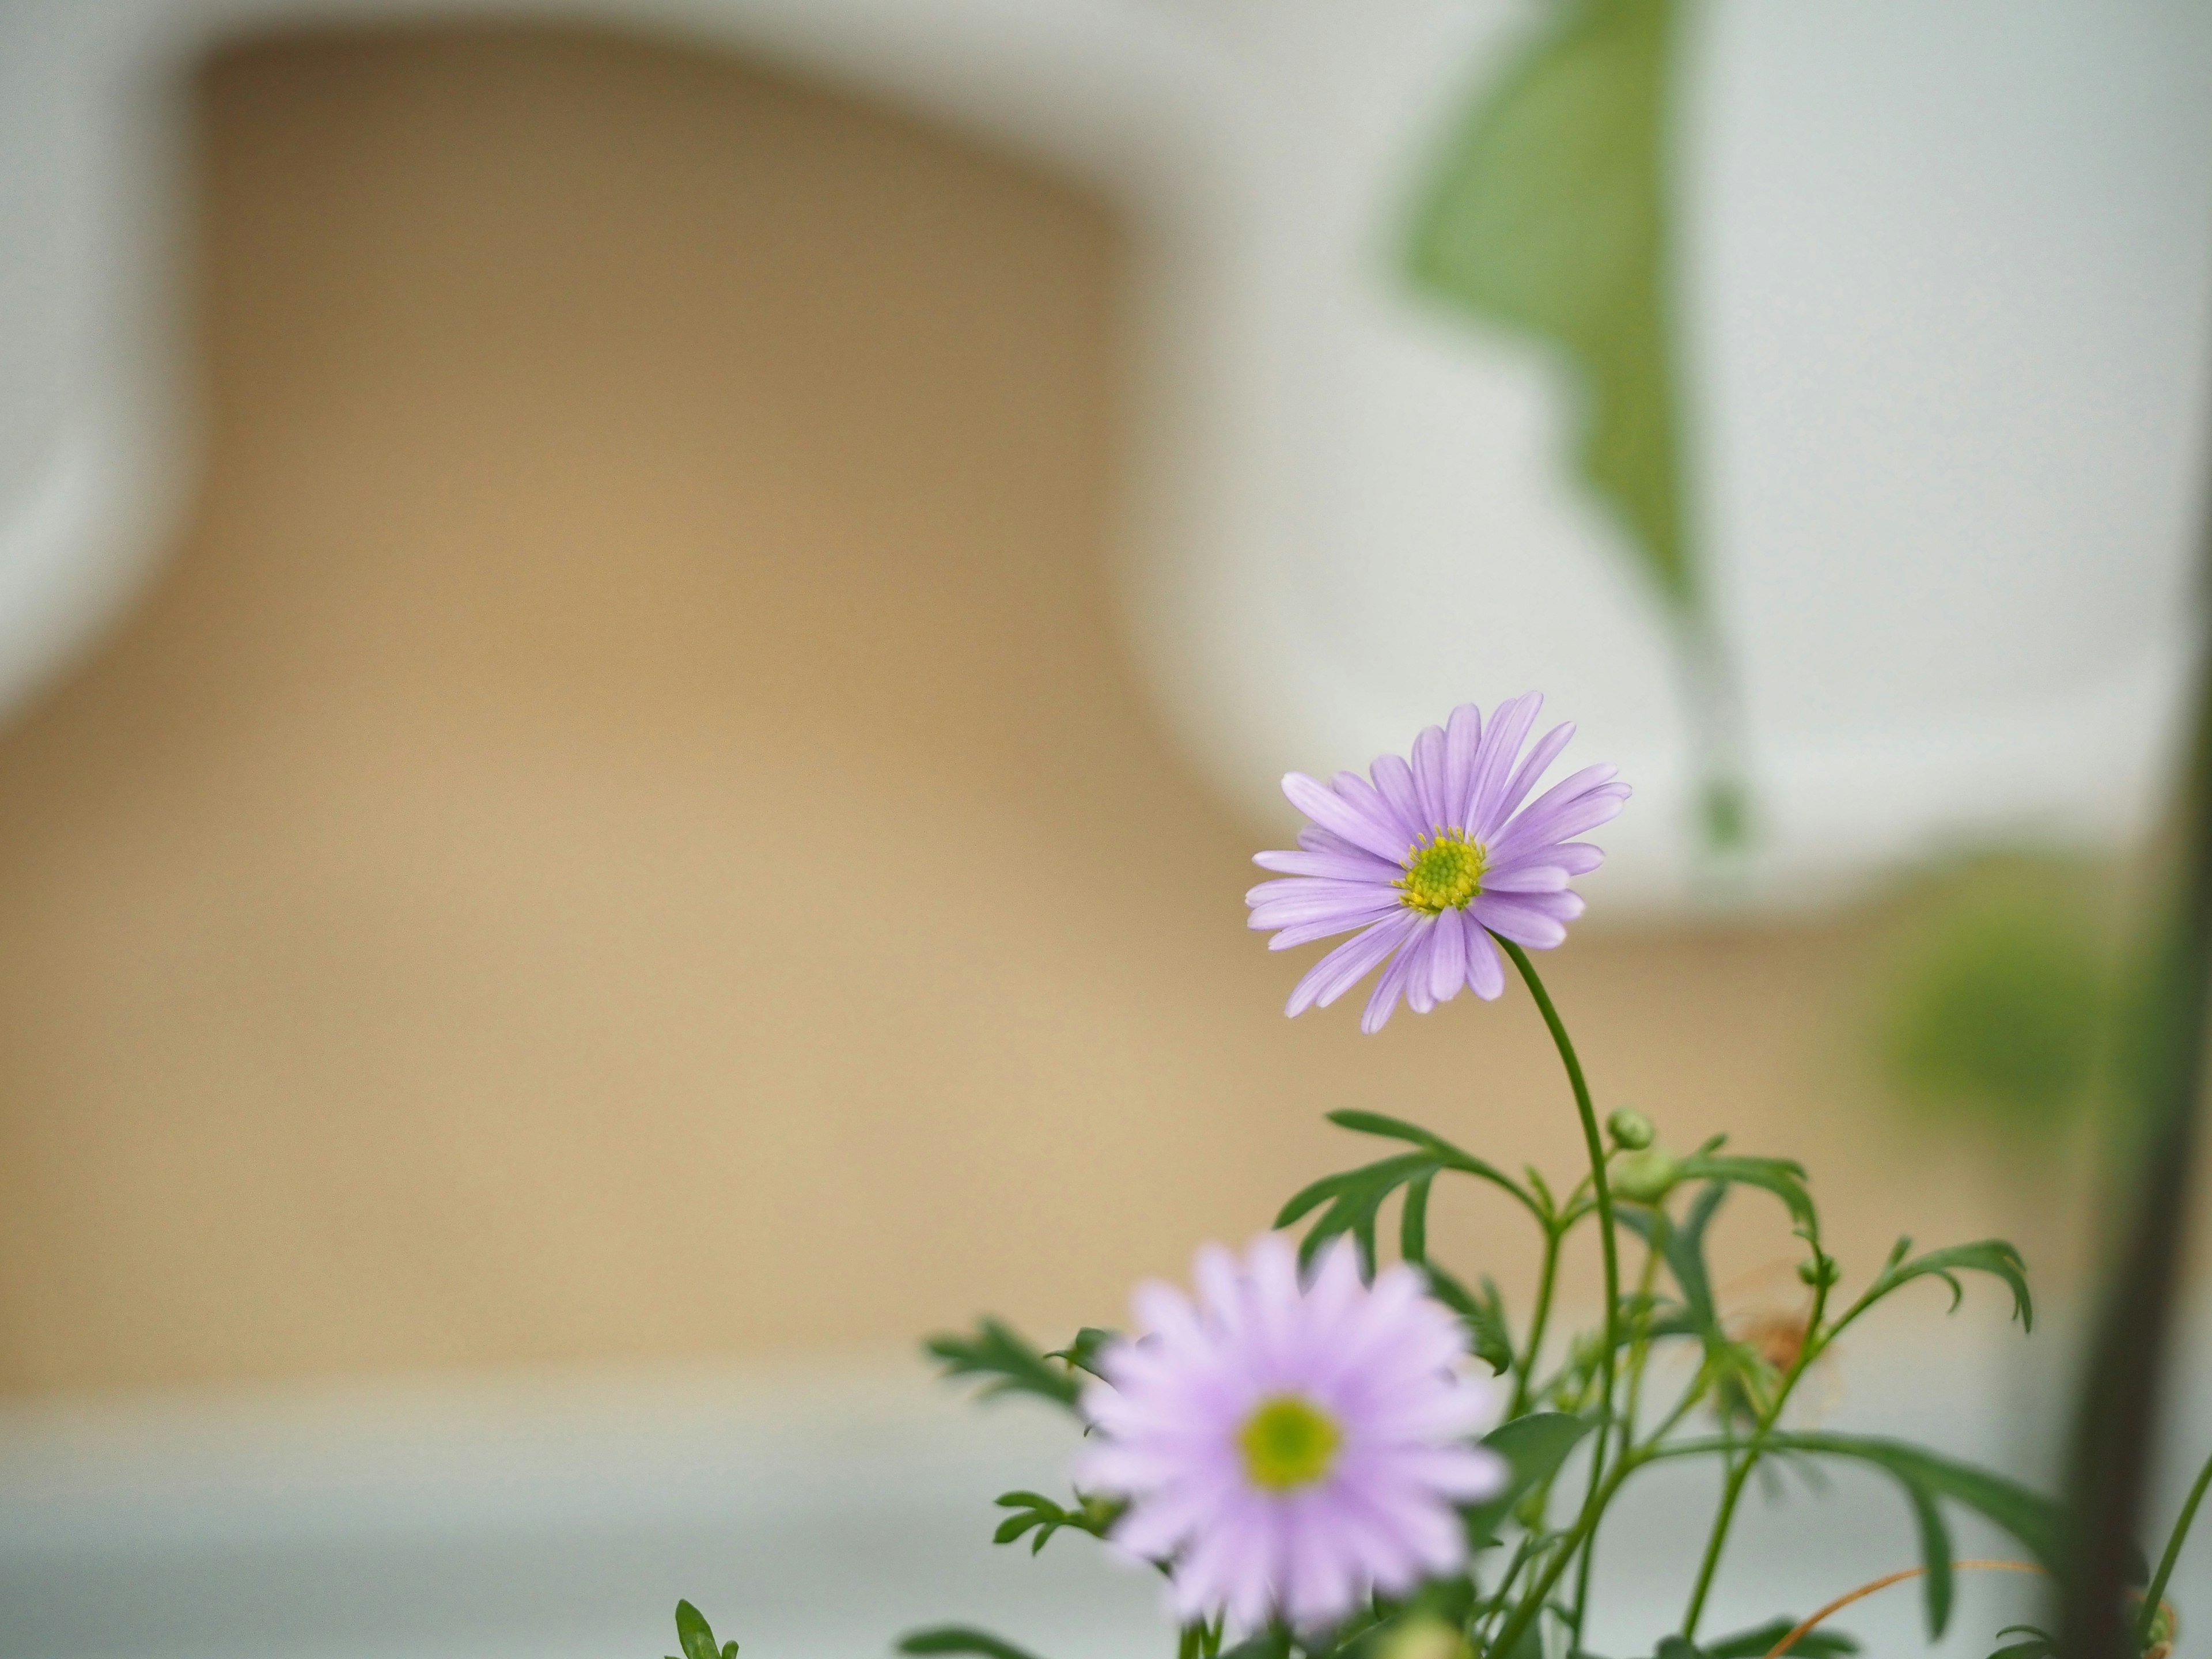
[1926, 1477]
[1082, 1353]
[1013, 1366]
[1998, 996]
[1546, 213]
[961, 1638]
[1781, 1176]
[2040, 1644]
[1820, 1643]
[1533, 1447]
[1988, 1256]
[1034, 1509]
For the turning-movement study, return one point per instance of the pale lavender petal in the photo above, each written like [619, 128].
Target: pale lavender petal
[1394, 782]
[1346, 965]
[1307, 933]
[1536, 823]
[1522, 923]
[1524, 778]
[1524, 878]
[1340, 867]
[1485, 975]
[1447, 957]
[1429, 777]
[1501, 745]
[1388, 989]
[1339, 818]
[1420, 949]
[1364, 797]
[1463, 746]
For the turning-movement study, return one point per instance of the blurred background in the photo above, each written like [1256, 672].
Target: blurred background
[645, 644]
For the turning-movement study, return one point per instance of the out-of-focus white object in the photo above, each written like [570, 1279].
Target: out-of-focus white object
[1945, 275]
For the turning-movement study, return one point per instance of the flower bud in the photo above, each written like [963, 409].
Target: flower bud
[1631, 1130]
[1646, 1176]
[1819, 1271]
[1424, 1638]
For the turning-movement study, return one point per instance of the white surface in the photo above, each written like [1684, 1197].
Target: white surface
[1947, 269]
[820, 1512]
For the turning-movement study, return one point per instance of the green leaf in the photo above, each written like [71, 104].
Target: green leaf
[2040, 1644]
[1447, 1155]
[1988, 1256]
[1354, 1197]
[696, 1636]
[2029, 1517]
[961, 1638]
[1820, 1643]
[1082, 1353]
[1534, 1446]
[1684, 1250]
[997, 1352]
[1484, 1315]
[1935, 1555]
[1273, 1643]
[1546, 213]
[1093, 1515]
[1780, 1176]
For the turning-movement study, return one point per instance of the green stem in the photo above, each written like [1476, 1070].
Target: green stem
[1603, 1193]
[1740, 1471]
[1537, 1322]
[2156, 1592]
[1639, 1351]
[1585, 1523]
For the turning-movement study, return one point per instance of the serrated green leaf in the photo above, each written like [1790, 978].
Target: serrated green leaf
[1082, 1353]
[996, 1352]
[1546, 213]
[1993, 1256]
[1781, 1176]
[961, 1638]
[1533, 1447]
[1353, 1200]
[2031, 1518]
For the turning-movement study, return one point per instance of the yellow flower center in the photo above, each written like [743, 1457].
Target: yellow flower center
[1288, 1442]
[1443, 874]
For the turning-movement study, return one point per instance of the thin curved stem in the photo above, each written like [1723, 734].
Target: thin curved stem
[1537, 1320]
[2156, 1592]
[1602, 1192]
[1882, 1583]
[1739, 1470]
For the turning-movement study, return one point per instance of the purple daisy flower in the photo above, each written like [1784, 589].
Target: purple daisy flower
[1429, 860]
[1288, 1449]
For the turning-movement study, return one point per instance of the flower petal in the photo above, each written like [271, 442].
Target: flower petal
[1509, 728]
[1524, 778]
[1340, 817]
[1485, 975]
[1349, 963]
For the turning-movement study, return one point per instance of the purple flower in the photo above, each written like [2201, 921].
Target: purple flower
[1289, 1449]
[1430, 859]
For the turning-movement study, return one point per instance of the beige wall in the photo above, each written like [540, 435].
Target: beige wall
[626, 828]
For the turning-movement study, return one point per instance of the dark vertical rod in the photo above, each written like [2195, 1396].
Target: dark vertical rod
[2116, 1416]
